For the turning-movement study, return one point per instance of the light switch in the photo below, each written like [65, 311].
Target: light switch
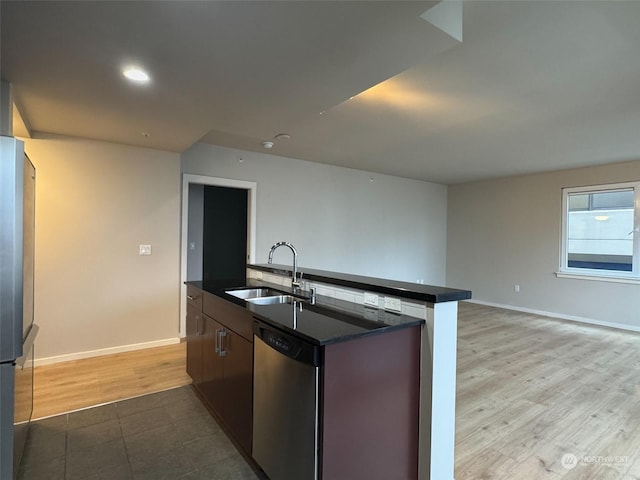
[145, 249]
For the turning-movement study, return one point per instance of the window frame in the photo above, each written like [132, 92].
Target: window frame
[601, 274]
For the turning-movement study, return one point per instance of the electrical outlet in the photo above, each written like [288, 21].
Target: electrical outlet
[145, 249]
[516, 288]
[371, 299]
[392, 304]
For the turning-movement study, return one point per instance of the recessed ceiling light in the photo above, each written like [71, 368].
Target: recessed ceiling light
[282, 136]
[136, 75]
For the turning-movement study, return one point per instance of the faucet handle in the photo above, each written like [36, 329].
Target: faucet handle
[312, 290]
[296, 282]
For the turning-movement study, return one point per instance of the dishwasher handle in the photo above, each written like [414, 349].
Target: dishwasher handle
[288, 345]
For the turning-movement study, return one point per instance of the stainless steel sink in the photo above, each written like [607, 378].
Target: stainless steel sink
[264, 296]
[253, 293]
[272, 300]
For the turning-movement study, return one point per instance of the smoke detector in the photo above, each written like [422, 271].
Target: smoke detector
[267, 144]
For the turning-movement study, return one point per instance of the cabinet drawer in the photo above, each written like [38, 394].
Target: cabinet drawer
[194, 297]
[232, 316]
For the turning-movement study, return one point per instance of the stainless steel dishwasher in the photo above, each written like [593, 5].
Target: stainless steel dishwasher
[285, 404]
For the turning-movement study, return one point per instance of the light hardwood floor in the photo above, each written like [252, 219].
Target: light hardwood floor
[530, 390]
[533, 390]
[63, 387]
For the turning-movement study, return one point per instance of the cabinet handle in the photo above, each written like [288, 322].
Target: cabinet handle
[192, 297]
[223, 334]
[217, 340]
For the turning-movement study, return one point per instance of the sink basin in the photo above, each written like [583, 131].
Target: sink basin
[263, 296]
[253, 293]
[272, 300]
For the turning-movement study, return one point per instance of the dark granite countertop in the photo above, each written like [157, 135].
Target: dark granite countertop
[414, 291]
[328, 321]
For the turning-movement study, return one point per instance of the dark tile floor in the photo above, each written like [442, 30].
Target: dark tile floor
[167, 435]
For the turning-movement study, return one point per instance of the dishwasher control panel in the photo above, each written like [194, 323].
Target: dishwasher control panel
[282, 344]
[288, 344]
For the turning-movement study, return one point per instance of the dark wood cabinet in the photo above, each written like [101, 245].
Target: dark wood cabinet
[237, 405]
[194, 330]
[212, 386]
[220, 361]
[194, 344]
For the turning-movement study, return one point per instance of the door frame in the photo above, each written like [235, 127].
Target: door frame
[252, 193]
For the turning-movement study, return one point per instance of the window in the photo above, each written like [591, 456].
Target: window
[600, 231]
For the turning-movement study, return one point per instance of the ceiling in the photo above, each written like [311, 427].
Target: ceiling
[534, 85]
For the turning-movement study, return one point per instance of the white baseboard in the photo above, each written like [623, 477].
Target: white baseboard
[561, 316]
[104, 351]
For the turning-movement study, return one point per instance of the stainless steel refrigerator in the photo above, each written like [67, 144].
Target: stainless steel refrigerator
[17, 328]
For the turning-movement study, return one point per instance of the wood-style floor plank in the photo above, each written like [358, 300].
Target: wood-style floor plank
[67, 386]
[532, 389]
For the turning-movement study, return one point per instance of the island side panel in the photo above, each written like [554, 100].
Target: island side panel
[438, 392]
[371, 407]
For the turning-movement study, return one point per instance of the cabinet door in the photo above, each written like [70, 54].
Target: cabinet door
[194, 344]
[237, 410]
[212, 364]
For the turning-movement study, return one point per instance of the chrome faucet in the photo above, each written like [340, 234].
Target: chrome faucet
[294, 276]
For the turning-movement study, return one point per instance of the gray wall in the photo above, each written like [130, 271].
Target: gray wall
[506, 231]
[195, 232]
[338, 219]
[96, 202]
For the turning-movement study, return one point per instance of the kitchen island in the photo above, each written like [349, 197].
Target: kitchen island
[380, 395]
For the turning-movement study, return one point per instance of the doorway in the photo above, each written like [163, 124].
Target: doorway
[193, 201]
[224, 235]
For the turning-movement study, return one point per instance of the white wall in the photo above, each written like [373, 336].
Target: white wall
[506, 231]
[96, 202]
[336, 217]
